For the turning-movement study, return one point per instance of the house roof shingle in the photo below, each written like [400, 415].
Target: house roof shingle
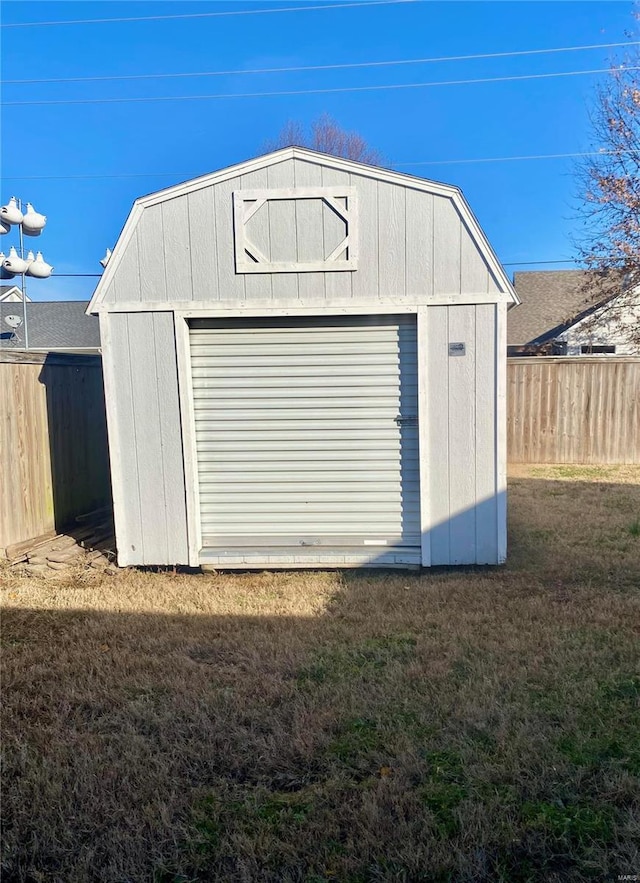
[551, 300]
[58, 325]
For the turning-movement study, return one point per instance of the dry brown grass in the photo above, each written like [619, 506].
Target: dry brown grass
[454, 725]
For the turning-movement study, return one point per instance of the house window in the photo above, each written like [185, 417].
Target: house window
[591, 350]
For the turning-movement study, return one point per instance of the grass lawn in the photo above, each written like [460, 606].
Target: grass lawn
[454, 725]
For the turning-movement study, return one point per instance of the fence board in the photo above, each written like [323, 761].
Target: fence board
[54, 463]
[573, 409]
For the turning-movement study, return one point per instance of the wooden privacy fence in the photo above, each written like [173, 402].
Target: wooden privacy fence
[583, 409]
[53, 442]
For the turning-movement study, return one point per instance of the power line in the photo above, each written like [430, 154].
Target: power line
[291, 92]
[447, 162]
[531, 263]
[429, 162]
[222, 14]
[324, 67]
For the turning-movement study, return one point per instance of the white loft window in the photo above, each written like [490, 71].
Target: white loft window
[298, 230]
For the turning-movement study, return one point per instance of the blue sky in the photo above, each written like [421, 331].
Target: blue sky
[527, 208]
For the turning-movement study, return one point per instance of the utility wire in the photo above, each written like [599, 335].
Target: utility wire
[531, 263]
[429, 162]
[221, 14]
[290, 92]
[324, 67]
[447, 162]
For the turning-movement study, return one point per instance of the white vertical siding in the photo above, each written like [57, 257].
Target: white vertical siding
[202, 236]
[462, 424]
[258, 288]
[337, 285]
[123, 455]
[365, 281]
[145, 440]
[438, 432]
[485, 441]
[391, 238]
[466, 500]
[127, 284]
[230, 284]
[283, 232]
[447, 233]
[501, 429]
[474, 273]
[309, 232]
[411, 244]
[177, 249]
[149, 233]
[418, 243]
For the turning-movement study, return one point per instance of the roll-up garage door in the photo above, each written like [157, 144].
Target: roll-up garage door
[307, 432]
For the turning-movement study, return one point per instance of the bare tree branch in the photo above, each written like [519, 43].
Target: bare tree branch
[326, 136]
[609, 183]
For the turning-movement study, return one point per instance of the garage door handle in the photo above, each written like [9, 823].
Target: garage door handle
[406, 421]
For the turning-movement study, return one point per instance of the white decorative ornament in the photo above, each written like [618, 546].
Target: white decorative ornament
[14, 263]
[33, 222]
[4, 273]
[39, 268]
[10, 213]
[5, 227]
[105, 259]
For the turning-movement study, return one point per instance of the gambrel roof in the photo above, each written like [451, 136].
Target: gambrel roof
[503, 287]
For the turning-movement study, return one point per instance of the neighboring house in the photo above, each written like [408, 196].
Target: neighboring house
[557, 317]
[58, 326]
[11, 294]
[303, 368]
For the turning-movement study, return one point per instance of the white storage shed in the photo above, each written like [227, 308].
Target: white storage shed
[305, 366]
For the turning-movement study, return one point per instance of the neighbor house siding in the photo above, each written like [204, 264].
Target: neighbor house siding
[411, 244]
[145, 441]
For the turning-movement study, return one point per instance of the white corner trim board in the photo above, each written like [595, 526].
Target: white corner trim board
[185, 394]
[213, 309]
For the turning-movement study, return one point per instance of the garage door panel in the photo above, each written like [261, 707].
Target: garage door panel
[283, 450]
[306, 433]
[302, 472]
[318, 428]
[297, 361]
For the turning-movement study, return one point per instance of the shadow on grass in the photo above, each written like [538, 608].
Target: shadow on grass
[457, 724]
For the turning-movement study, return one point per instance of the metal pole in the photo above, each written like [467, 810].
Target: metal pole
[24, 288]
